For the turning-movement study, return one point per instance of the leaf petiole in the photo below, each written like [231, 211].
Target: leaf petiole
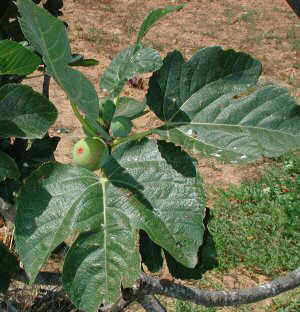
[136, 136]
[83, 122]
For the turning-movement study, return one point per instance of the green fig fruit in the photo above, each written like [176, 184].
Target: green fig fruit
[121, 126]
[88, 152]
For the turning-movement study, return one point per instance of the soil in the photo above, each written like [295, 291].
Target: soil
[268, 30]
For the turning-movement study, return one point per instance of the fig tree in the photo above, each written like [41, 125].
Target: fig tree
[88, 152]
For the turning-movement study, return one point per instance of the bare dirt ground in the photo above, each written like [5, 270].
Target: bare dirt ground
[268, 30]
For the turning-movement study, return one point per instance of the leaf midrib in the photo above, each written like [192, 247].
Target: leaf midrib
[103, 182]
[53, 69]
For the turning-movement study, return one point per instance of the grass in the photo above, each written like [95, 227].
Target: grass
[256, 226]
[182, 306]
[260, 213]
[293, 39]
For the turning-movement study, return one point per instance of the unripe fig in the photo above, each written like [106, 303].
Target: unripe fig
[121, 126]
[88, 152]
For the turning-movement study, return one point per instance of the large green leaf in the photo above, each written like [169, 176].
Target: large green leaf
[16, 59]
[48, 36]
[149, 185]
[240, 129]
[66, 199]
[211, 72]
[8, 167]
[126, 64]
[158, 186]
[153, 17]
[213, 106]
[24, 112]
[55, 201]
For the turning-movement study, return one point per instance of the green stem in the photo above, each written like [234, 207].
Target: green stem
[81, 119]
[133, 137]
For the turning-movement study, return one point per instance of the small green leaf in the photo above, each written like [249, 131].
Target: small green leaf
[16, 59]
[24, 112]
[130, 108]
[107, 110]
[121, 126]
[126, 64]
[153, 17]
[8, 167]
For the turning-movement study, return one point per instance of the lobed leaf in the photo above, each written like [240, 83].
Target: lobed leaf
[24, 112]
[157, 185]
[48, 36]
[64, 200]
[16, 59]
[141, 178]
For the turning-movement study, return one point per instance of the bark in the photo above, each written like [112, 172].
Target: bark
[210, 298]
[46, 84]
[150, 303]
[119, 306]
[147, 286]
